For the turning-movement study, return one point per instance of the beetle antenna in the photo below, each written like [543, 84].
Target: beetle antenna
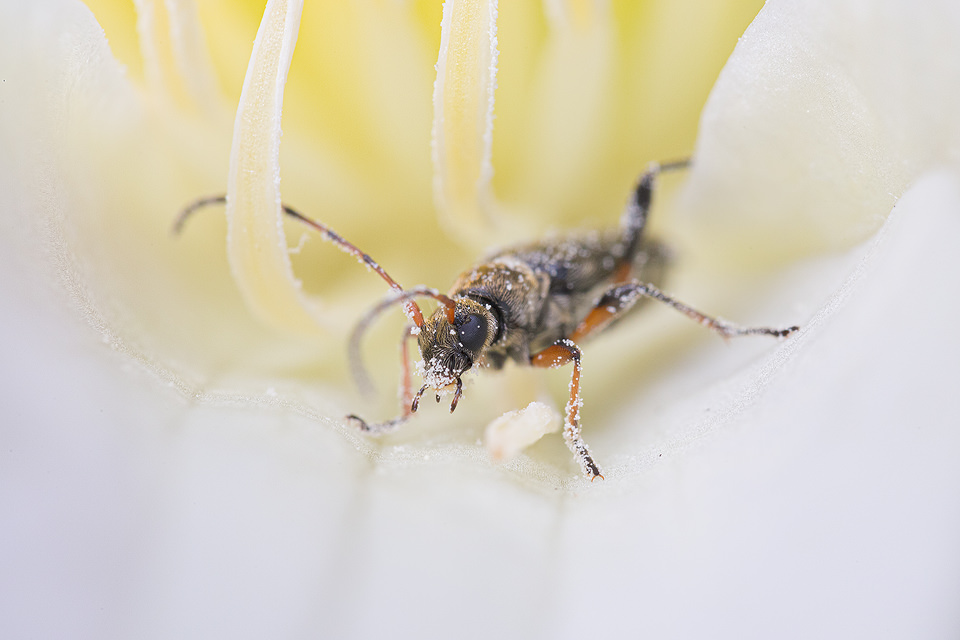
[192, 208]
[400, 297]
[411, 309]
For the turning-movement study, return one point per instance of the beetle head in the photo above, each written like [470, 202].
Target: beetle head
[448, 350]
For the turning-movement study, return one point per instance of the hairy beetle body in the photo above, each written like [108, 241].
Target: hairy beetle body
[532, 304]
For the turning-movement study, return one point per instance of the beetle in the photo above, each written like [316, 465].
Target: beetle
[532, 304]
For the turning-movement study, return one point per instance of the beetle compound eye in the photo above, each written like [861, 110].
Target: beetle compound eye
[472, 332]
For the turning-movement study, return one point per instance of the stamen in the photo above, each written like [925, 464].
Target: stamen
[463, 98]
[256, 245]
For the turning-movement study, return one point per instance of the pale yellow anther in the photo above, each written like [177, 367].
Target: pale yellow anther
[176, 64]
[256, 245]
[191, 56]
[463, 101]
[572, 95]
[580, 15]
[150, 35]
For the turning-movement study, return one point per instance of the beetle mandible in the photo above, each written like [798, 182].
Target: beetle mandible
[533, 304]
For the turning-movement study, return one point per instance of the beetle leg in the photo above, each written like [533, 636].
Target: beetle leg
[406, 384]
[558, 354]
[633, 221]
[618, 299]
[724, 328]
[614, 303]
[376, 428]
[407, 399]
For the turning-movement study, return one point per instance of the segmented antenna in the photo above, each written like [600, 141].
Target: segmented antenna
[399, 295]
[411, 309]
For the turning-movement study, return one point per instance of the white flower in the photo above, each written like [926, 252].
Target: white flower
[171, 467]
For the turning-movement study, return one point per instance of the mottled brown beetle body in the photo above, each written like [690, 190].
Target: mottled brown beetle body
[533, 304]
[533, 295]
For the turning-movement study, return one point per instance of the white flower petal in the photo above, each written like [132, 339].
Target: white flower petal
[819, 502]
[823, 476]
[834, 487]
[826, 112]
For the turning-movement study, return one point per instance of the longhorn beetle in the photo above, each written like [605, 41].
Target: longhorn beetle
[533, 304]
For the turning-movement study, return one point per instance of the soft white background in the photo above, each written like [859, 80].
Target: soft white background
[803, 489]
